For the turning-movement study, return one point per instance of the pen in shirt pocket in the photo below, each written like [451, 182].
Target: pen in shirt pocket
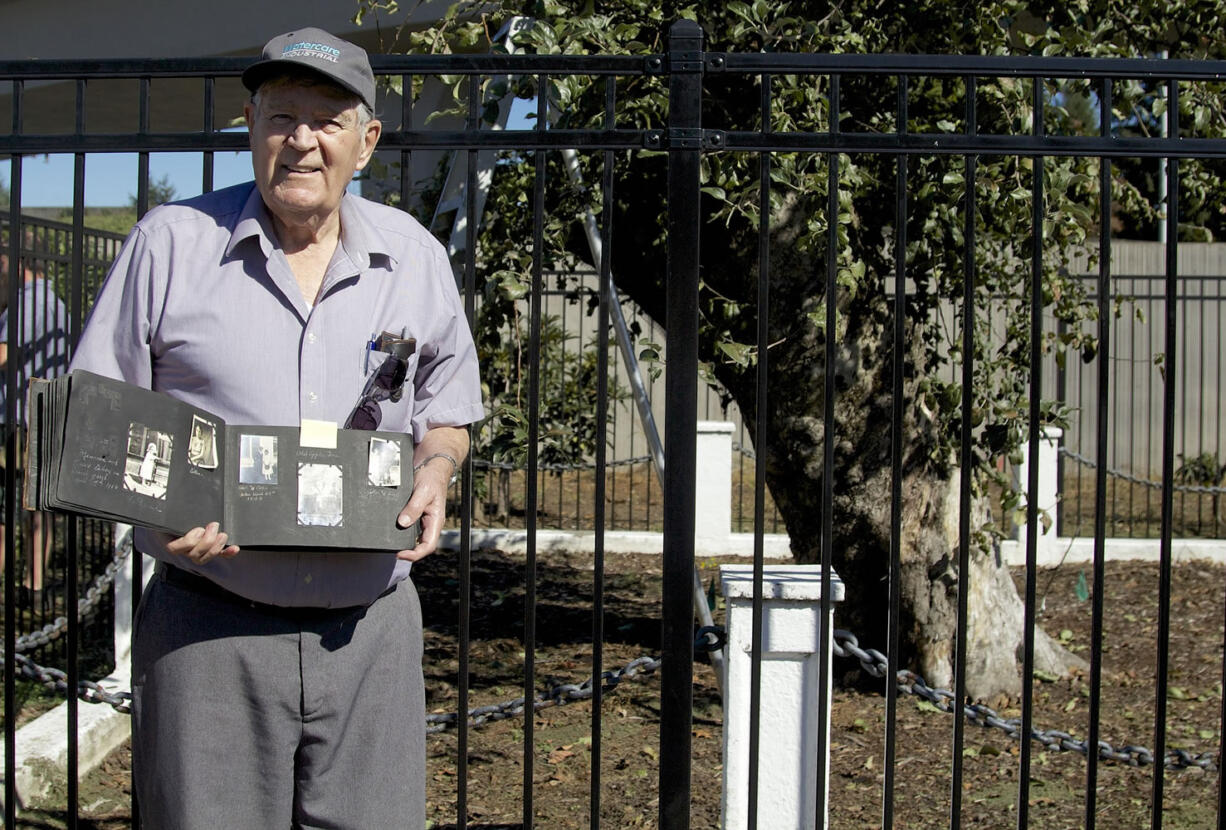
[364, 361]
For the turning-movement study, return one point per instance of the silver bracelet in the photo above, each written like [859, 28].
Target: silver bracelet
[455, 465]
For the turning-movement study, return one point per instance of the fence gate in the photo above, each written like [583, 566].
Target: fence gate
[689, 143]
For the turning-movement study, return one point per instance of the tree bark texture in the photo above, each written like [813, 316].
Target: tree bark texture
[861, 443]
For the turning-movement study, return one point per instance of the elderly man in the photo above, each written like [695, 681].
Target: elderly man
[278, 688]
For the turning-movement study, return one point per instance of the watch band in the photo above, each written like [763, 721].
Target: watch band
[455, 465]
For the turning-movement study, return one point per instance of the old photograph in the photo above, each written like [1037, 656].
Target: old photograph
[257, 459]
[320, 493]
[383, 467]
[147, 467]
[202, 446]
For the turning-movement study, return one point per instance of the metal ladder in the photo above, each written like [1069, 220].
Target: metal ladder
[453, 199]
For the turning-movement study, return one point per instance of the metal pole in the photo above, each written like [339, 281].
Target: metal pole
[681, 421]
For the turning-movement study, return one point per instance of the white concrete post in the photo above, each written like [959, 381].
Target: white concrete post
[1048, 495]
[790, 697]
[713, 486]
[42, 744]
[123, 612]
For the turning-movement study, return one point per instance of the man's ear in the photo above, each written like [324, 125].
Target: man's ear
[370, 137]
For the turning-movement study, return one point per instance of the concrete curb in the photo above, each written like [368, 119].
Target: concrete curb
[42, 747]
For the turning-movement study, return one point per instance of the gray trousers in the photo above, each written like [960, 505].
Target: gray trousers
[253, 721]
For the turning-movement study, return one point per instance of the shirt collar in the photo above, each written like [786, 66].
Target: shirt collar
[253, 221]
[360, 239]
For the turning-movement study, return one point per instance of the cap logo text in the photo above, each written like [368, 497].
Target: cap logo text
[307, 49]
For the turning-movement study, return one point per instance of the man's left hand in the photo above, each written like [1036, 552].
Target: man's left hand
[429, 504]
[431, 481]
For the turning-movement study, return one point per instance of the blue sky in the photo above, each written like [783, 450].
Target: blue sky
[110, 178]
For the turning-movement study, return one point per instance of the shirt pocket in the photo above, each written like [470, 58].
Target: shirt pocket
[396, 415]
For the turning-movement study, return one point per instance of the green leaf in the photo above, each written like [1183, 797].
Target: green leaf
[738, 353]
[1081, 590]
[514, 288]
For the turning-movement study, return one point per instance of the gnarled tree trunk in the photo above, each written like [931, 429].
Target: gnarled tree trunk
[863, 394]
[862, 491]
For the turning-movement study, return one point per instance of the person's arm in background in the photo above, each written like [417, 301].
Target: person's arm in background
[433, 469]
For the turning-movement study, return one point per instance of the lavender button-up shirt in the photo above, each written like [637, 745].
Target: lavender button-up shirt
[202, 305]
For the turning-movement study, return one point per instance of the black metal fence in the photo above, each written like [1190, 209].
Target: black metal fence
[1134, 455]
[685, 138]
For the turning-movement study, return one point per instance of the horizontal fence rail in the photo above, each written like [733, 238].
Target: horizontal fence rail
[73, 256]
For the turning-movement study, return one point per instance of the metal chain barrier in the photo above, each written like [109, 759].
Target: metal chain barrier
[86, 604]
[559, 695]
[876, 664]
[1144, 482]
[56, 680]
[709, 638]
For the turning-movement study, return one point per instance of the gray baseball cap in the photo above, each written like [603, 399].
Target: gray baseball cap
[326, 54]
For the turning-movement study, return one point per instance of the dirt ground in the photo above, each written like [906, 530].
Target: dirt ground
[562, 751]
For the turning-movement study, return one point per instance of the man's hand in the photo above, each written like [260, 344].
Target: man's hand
[428, 503]
[200, 544]
[434, 459]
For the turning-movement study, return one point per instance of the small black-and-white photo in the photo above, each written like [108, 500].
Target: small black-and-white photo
[147, 466]
[202, 446]
[383, 466]
[320, 493]
[257, 463]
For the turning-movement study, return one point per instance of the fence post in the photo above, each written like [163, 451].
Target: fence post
[713, 487]
[684, 142]
[790, 687]
[124, 596]
[1048, 495]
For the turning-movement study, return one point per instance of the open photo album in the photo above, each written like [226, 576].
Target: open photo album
[103, 448]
